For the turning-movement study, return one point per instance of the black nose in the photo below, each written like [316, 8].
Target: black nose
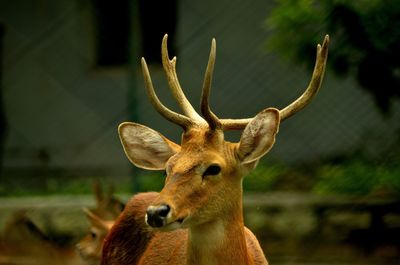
[157, 215]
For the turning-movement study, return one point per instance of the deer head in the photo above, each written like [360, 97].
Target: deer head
[204, 173]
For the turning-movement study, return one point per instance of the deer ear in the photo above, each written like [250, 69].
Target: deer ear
[94, 219]
[98, 191]
[145, 147]
[259, 135]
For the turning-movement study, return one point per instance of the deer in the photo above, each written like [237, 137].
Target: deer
[101, 219]
[197, 217]
[24, 243]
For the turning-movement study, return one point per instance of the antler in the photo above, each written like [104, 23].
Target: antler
[314, 85]
[302, 101]
[170, 71]
[208, 115]
[192, 118]
[170, 115]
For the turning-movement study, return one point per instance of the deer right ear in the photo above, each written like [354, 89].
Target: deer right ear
[145, 147]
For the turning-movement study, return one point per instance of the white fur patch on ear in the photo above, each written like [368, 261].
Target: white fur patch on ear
[259, 135]
[145, 147]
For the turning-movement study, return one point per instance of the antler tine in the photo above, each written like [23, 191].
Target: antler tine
[208, 115]
[314, 85]
[234, 124]
[170, 71]
[302, 101]
[170, 115]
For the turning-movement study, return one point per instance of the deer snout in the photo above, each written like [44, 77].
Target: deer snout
[156, 216]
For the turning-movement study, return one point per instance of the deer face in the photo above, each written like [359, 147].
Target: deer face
[196, 179]
[204, 173]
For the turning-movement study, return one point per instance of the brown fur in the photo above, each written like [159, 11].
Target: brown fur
[130, 234]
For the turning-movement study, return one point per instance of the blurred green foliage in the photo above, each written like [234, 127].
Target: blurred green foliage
[152, 181]
[46, 186]
[365, 40]
[355, 173]
[358, 177]
[264, 177]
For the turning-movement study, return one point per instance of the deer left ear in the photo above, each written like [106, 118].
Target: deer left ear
[145, 147]
[259, 135]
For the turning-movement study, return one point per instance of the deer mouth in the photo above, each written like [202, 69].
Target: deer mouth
[173, 225]
[180, 220]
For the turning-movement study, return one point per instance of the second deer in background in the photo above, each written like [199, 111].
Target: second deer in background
[101, 219]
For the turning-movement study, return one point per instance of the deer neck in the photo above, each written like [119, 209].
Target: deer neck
[221, 241]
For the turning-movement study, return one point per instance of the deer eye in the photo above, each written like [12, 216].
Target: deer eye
[212, 170]
[93, 234]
